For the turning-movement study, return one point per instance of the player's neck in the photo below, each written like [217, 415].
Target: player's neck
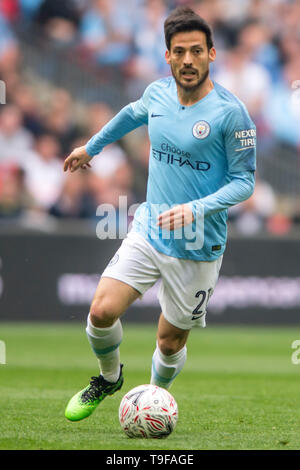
[190, 97]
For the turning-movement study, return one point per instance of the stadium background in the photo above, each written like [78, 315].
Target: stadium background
[68, 66]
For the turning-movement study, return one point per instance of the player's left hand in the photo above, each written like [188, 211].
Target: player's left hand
[176, 217]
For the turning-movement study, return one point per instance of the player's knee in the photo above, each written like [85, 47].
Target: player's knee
[102, 314]
[169, 346]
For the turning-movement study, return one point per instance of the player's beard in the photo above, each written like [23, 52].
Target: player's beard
[191, 88]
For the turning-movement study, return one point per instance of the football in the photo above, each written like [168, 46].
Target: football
[148, 411]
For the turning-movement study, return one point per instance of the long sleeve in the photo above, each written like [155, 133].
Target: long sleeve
[129, 118]
[237, 190]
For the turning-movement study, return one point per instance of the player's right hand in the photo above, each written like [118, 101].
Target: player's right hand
[79, 158]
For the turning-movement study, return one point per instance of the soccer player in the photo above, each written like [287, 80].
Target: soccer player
[202, 161]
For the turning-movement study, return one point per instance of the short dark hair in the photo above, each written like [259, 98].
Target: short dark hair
[184, 19]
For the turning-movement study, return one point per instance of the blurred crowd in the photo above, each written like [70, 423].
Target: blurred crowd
[258, 59]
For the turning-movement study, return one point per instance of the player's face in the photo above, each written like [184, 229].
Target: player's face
[189, 59]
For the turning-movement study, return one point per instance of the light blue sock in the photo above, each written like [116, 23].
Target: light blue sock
[166, 368]
[105, 344]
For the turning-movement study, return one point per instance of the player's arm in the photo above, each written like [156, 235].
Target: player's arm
[239, 189]
[240, 145]
[129, 118]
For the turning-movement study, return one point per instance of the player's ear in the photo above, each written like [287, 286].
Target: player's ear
[212, 54]
[167, 56]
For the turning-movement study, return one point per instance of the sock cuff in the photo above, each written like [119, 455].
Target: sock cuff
[100, 332]
[174, 358]
[104, 340]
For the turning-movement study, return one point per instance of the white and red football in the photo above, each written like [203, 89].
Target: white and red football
[148, 411]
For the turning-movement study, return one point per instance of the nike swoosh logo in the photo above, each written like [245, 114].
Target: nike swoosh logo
[156, 115]
[198, 316]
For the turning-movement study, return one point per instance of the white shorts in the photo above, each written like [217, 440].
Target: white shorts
[186, 285]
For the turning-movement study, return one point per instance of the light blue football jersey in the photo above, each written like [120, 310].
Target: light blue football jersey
[202, 154]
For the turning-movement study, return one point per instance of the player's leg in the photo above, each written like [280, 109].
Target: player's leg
[104, 332]
[129, 274]
[170, 354]
[104, 329]
[184, 293]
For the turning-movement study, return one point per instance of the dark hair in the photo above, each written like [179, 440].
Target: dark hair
[184, 19]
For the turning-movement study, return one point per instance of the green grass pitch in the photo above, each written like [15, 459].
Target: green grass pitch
[238, 390]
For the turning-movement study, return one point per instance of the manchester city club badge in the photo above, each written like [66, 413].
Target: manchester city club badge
[201, 130]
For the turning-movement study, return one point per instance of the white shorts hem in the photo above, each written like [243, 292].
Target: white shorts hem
[173, 322]
[125, 280]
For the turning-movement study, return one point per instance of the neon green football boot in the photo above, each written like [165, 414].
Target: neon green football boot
[86, 401]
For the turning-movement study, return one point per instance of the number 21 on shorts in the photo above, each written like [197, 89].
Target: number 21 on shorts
[202, 295]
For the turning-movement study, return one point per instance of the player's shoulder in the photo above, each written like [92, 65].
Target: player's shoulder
[160, 84]
[230, 103]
